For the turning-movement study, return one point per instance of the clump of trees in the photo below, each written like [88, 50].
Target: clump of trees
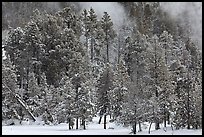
[70, 67]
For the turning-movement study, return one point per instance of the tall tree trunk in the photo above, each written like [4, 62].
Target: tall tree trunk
[27, 75]
[140, 129]
[134, 127]
[156, 121]
[168, 118]
[92, 50]
[105, 121]
[21, 115]
[150, 127]
[157, 125]
[164, 116]
[21, 82]
[157, 95]
[69, 123]
[188, 111]
[100, 120]
[77, 123]
[107, 53]
[38, 68]
[84, 123]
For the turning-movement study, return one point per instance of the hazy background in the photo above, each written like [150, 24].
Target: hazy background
[114, 9]
[193, 10]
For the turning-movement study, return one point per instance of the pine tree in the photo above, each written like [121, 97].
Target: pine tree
[135, 59]
[107, 26]
[33, 92]
[167, 44]
[116, 96]
[9, 79]
[93, 34]
[191, 65]
[157, 73]
[70, 20]
[12, 101]
[14, 46]
[93, 30]
[65, 108]
[105, 84]
[31, 54]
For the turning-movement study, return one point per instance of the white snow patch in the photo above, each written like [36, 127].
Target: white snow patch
[93, 128]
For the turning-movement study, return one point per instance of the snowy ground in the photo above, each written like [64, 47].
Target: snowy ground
[92, 129]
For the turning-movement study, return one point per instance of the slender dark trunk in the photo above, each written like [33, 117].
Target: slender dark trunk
[150, 127]
[172, 127]
[188, 101]
[107, 53]
[164, 121]
[168, 118]
[134, 127]
[196, 125]
[100, 120]
[84, 123]
[92, 50]
[27, 75]
[21, 82]
[104, 121]
[157, 125]
[76, 99]
[156, 91]
[164, 116]
[21, 115]
[188, 112]
[38, 69]
[69, 123]
[77, 123]
[140, 128]
[156, 121]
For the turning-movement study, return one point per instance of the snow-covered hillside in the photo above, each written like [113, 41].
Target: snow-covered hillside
[93, 128]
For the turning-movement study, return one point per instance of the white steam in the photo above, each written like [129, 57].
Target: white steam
[193, 11]
[53, 6]
[114, 9]
[194, 16]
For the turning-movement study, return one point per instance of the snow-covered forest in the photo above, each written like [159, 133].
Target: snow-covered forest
[127, 63]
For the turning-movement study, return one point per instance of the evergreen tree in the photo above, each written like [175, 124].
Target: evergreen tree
[13, 104]
[107, 26]
[184, 107]
[105, 84]
[9, 80]
[116, 96]
[157, 68]
[135, 59]
[65, 108]
[167, 43]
